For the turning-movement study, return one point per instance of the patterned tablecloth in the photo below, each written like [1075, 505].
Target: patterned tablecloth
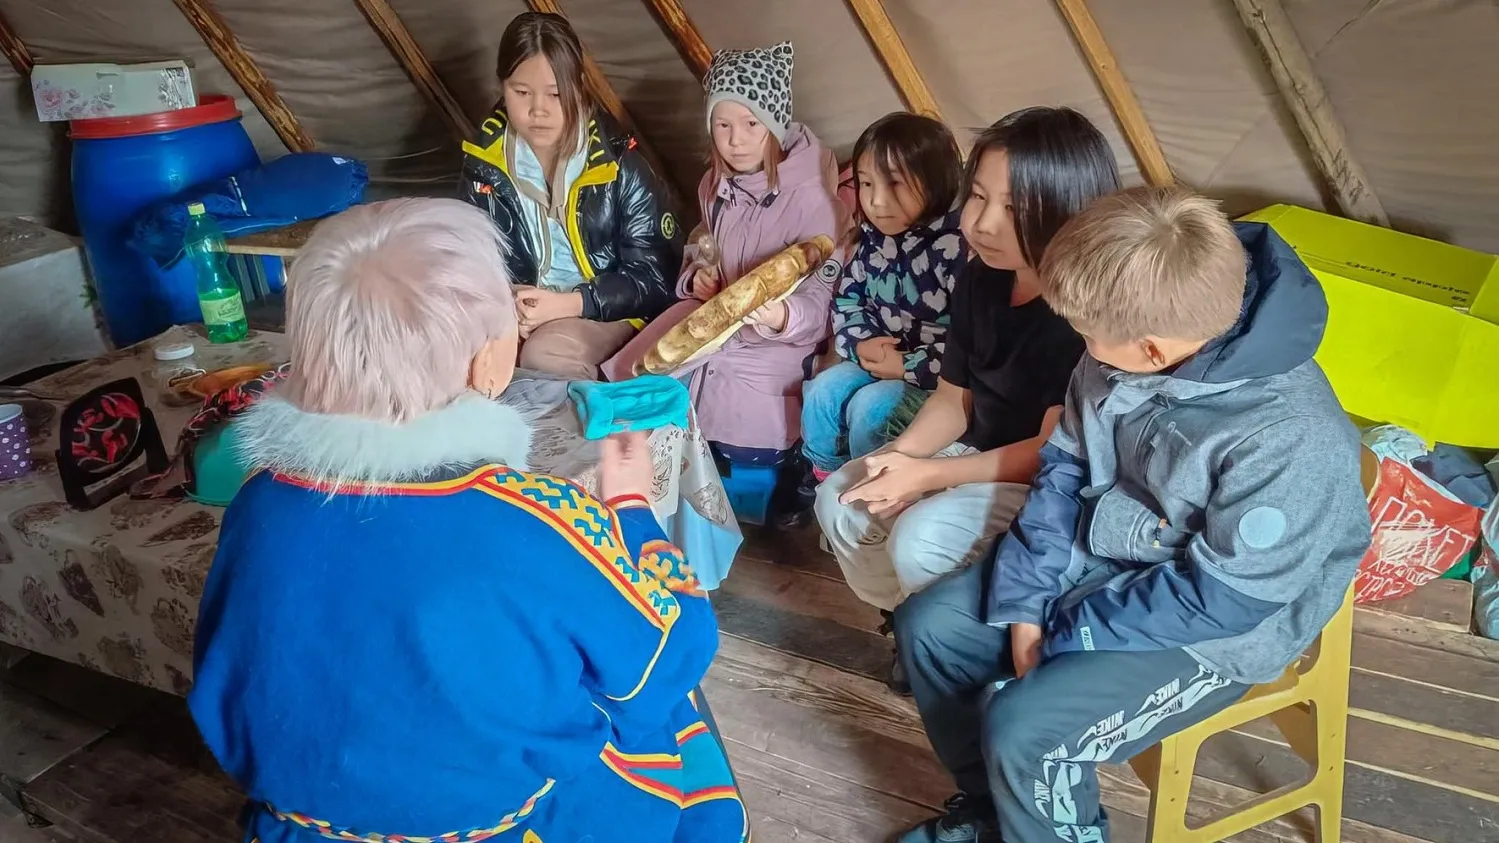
[116, 589]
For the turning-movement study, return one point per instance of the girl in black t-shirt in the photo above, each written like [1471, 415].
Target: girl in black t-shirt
[936, 498]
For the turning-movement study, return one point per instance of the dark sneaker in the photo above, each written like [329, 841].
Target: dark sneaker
[795, 493]
[966, 819]
[897, 680]
[791, 520]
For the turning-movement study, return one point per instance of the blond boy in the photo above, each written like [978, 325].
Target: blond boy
[1195, 522]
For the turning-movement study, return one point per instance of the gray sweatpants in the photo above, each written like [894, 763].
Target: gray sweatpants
[886, 560]
[1033, 744]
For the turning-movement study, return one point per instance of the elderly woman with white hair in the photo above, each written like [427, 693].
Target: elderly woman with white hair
[406, 635]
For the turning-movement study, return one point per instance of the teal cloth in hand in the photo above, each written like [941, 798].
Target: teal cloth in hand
[643, 403]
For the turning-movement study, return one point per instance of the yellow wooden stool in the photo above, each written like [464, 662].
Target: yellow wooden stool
[1308, 704]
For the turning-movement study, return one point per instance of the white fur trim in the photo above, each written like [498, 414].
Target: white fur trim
[473, 430]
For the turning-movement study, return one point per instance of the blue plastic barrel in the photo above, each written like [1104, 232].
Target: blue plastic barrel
[121, 166]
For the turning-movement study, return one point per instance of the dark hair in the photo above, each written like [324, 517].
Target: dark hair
[1059, 163]
[534, 34]
[921, 149]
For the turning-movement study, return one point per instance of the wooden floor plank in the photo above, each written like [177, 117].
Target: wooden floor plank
[809, 636]
[15, 829]
[1435, 706]
[150, 779]
[773, 584]
[1371, 797]
[94, 696]
[1438, 668]
[1422, 634]
[815, 801]
[35, 736]
[793, 549]
[777, 830]
[1444, 604]
[1438, 761]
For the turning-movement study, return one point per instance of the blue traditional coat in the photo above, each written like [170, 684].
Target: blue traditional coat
[442, 646]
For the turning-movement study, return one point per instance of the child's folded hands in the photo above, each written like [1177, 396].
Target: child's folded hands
[880, 357]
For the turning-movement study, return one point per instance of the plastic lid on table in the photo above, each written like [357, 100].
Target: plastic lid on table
[173, 351]
[211, 108]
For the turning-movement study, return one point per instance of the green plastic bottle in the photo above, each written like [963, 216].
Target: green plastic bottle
[218, 293]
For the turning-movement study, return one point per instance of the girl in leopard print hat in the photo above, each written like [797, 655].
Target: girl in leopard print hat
[771, 183]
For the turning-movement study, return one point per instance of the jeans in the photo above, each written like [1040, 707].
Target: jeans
[845, 411]
[1032, 745]
[886, 560]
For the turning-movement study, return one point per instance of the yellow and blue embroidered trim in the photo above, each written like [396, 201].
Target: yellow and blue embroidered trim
[591, 529]
[665, 562]
[327, 830]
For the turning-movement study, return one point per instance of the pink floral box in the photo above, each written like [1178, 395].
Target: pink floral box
[105, 89]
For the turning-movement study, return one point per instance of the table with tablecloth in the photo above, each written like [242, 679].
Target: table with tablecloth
[116, 589]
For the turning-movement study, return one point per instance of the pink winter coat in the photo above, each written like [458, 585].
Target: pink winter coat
[749, 393]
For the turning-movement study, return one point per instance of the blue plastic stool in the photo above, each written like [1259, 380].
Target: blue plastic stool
[749, 488]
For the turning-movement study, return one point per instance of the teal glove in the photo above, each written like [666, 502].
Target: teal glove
[642, 403]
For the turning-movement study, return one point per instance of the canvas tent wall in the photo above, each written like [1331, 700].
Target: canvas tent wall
[1412, 81]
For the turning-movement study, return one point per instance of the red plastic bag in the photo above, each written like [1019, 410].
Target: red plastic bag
[1419, 533]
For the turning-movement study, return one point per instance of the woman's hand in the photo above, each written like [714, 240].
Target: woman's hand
[1025, 645]
[536, 307]
[892, 482]
[626, 468]
[771, 315]
[706, 283]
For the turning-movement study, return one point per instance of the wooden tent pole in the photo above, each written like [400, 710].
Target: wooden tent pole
[217, 35]
[683, 35]
[384, 20]
[1116, 89]
[894, 56]
[603, 92]
[15, 49]
[1302, 90]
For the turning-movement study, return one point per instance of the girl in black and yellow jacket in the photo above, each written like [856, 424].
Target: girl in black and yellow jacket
[594, 248]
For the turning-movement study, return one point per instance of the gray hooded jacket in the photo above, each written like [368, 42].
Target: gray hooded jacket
[1216, 508]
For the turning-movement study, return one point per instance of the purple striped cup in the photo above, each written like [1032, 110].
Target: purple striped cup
[15, 443]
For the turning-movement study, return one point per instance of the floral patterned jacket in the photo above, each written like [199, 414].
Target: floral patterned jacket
[899, 287]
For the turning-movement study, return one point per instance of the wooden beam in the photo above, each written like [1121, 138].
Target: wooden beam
[387, 24]
[683, 35]
[603, 93]
[894, 56]
[15, 49]
[1116, 89]
[217, 35]
[1270, 28]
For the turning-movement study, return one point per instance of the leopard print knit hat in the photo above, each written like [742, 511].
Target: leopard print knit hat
[758, 79]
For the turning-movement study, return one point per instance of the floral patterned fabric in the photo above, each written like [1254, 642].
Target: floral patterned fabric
[116, 589]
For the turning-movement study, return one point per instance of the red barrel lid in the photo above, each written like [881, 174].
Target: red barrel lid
[211, 108]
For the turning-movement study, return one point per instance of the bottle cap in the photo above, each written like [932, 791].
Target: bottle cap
[174, 350]
[195, 209]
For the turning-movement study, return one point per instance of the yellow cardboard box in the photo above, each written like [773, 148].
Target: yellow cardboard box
[1413, 325]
